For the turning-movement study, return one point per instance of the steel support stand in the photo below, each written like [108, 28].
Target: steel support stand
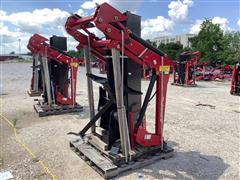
[35, 70]
[47, 79]
[86, 50]
[123, 127]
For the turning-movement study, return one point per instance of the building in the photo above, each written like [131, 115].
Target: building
[182, 39]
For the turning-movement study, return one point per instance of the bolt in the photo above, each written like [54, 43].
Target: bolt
[100, 20]
[116, 18]
[154, 62]
[118, 46]
[109, 30]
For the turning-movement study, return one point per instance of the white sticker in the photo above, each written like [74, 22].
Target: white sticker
[147, 136]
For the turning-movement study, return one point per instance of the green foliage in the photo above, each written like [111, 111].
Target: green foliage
[1, 162]
[231, 48]
[173, 50]
[14, 122]
[215, 45]
[208, 41]
[187, 49]
[76, 54]
[39, 176]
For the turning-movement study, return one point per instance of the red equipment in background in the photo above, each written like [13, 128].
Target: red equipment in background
[120, 39]
[184, 69]
[204, 71]
[235, 83]
[225, 72]
[207, 72]
[8, 57]
[58, 72]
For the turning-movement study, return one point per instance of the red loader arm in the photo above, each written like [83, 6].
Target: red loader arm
[38, 45]
[110, 22]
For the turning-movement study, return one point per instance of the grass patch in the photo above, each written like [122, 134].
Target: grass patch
[14, 122]
[39, 176]
[1, 162]
[24, 61]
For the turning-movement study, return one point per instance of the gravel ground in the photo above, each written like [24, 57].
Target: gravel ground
[205, 138]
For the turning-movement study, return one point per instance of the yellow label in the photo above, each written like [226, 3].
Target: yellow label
[165, 69]
[74, 64]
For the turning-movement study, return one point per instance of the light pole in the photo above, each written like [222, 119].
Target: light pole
[3, 44]
[19, 46]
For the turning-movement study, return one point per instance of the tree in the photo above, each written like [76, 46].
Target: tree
[209, 42]
[187, 49]
[231, 48]
[173, 50]
[77, 54]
